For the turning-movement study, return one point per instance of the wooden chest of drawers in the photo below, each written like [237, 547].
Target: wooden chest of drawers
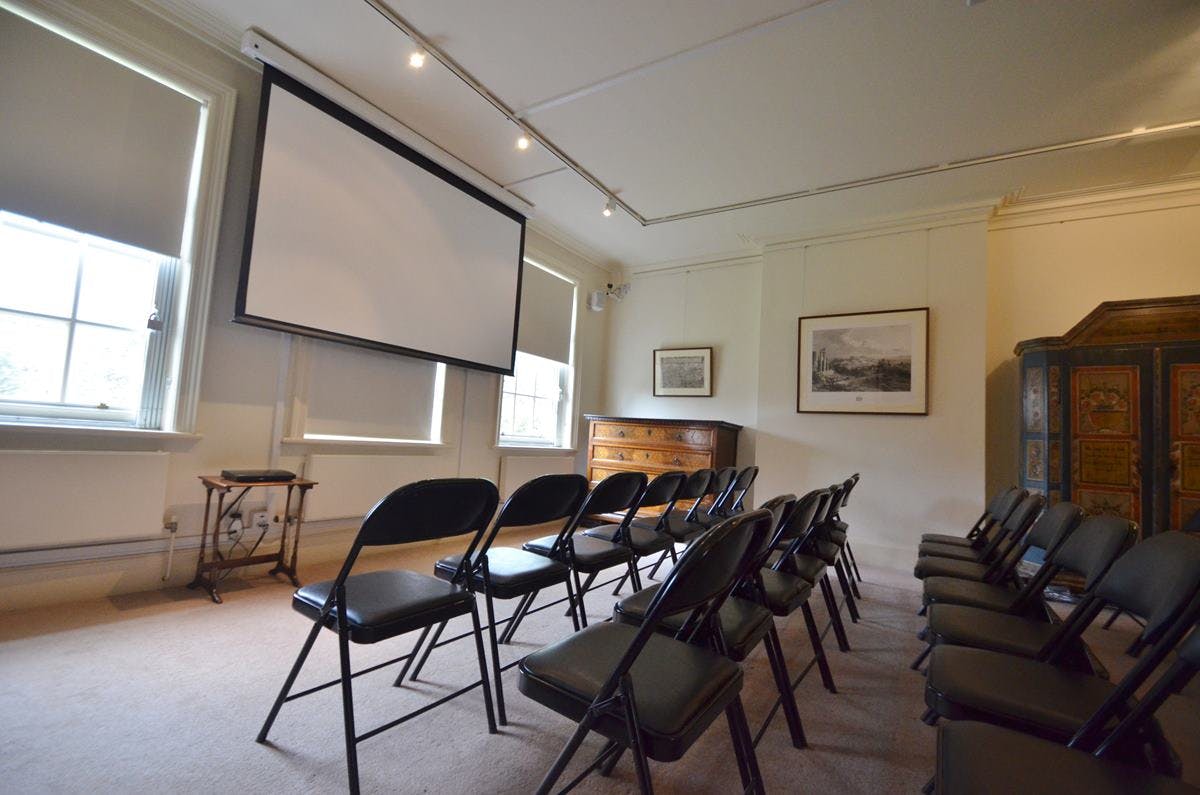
[620, 444]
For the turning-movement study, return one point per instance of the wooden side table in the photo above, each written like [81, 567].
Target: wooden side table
[285, 563]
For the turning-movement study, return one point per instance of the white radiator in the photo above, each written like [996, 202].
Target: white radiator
[518, 469]
[53, 498]
[349, 485]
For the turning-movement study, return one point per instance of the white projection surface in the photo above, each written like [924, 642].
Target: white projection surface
[355, 242]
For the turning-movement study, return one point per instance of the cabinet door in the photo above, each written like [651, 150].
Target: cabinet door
[1110, 412]
[1178, 480]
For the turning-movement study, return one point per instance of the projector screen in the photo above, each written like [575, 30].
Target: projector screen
[354, 237]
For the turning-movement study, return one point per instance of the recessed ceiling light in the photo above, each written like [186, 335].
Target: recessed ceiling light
[417, 59]
[523, 142]
[608, 208]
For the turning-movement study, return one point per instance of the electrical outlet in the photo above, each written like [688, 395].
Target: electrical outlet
[260, 520]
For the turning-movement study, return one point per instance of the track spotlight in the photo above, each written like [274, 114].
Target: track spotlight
[416, 59]
[523, 143]
[608, 208]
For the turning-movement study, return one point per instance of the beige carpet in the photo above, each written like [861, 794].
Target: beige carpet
[165, 692]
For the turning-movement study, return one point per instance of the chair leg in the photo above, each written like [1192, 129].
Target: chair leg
[654, 571]
[571, 601]
[287, 683]
[924, 609]
[633, 729]
[1113, 618]
[620, 584]
[783, 683]
[437, 633]
[814, 637]
[564, 756]
[845, 561]
[412, 656]
[491, 618]
[518, 616]
[606, 769]
[929, 785]
[853, 562]
[916, 664]
[835, 616]
[347, 701]
[483, 675]
[635, 578]
[929, 718]
[847, 595]
[674, 557]
[580, 589]
[743, 747]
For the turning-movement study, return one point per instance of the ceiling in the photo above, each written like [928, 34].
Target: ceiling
[685, 105]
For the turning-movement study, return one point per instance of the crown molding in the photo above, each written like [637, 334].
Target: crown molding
[1096, 203]
[730, 259]
[956, 215]
[201, 24]
[584, 251]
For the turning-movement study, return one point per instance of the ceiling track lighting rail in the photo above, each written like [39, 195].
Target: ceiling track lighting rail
[520, 119]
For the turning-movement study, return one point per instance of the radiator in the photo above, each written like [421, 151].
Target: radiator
[54, 498]
[518, 469]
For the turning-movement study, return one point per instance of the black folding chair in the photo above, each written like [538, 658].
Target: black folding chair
[979, 546]
[680, 524]
[820, 545]
[648, 693]
[988, 760]
[587, 555]
[798, 556]
[646, 537]
[986, 564]
[508, 573]
[720, 489]
[840, 531]
[746, 618]
[975, 536]
[378, 605]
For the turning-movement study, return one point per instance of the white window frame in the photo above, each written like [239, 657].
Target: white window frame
[568, 382]
[205, 195]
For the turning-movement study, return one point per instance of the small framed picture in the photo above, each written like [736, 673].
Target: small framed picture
[683, 372]
[864, 363]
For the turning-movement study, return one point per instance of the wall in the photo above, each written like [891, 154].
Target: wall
[917, 472]
[249, 385]
[716, 305]
[1052, 262]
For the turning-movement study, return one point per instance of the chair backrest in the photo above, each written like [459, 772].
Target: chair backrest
[998, 500]
[694, 488]
[662, 491]
[1008, 504]
[1054, 526]
[803, 519]
[541, 500]
[617, 492]
[848, 486]
[782, 508]
[429, 509]
[741, 485]
[1013, 529]
[1092, 548]
[1155, 580]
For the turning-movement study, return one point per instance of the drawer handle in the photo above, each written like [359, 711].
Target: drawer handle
[620, 456]
[621, 434]
[675, 461]
[678, 438]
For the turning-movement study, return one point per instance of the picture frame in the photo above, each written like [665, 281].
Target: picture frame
[864, 363]
[683, 372]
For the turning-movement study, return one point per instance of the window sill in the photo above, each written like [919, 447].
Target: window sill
[363, 444]
[534, 449]
[13, 434]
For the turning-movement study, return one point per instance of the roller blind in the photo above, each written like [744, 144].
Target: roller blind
[90, 144]
[547, 310]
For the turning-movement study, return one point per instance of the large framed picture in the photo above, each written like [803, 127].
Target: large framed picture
[683, 372]
[864, 363]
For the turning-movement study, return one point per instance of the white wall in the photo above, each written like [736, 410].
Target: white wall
[706, 305]
[247, 386]
[1050, 263]
[917, 472]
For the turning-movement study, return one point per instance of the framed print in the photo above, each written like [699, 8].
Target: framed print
[683, 372]
[864, 363]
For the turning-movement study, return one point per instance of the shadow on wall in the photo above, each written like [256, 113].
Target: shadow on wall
[1001, 437]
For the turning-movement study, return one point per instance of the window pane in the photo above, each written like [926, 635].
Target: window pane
[37, 271]
[526, 372]
[32, 353]
[546, 419]
[522, 416]
[117, 288]
[107, 366]
[547, 381]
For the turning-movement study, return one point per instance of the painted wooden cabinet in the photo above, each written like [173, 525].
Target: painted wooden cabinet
[1110, 412]
[620, 444]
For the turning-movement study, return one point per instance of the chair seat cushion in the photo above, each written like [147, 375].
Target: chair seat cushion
[973, 684]
[808, 567]
[784, 592]
[944, 538]
[682, 530]
[944, 567]
[383, 604]
[955, 591]
[679, 689]
[743, 623]
[591, 554]
[838, 537]
[825, 550]
[513, 572]
[645, 541]
[957, 625]
[949, 551]
[989, 760]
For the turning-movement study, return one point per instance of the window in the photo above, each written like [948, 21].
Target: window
[77, 315]
[535, 401]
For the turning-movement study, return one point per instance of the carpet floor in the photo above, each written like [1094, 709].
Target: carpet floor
[165, 691]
